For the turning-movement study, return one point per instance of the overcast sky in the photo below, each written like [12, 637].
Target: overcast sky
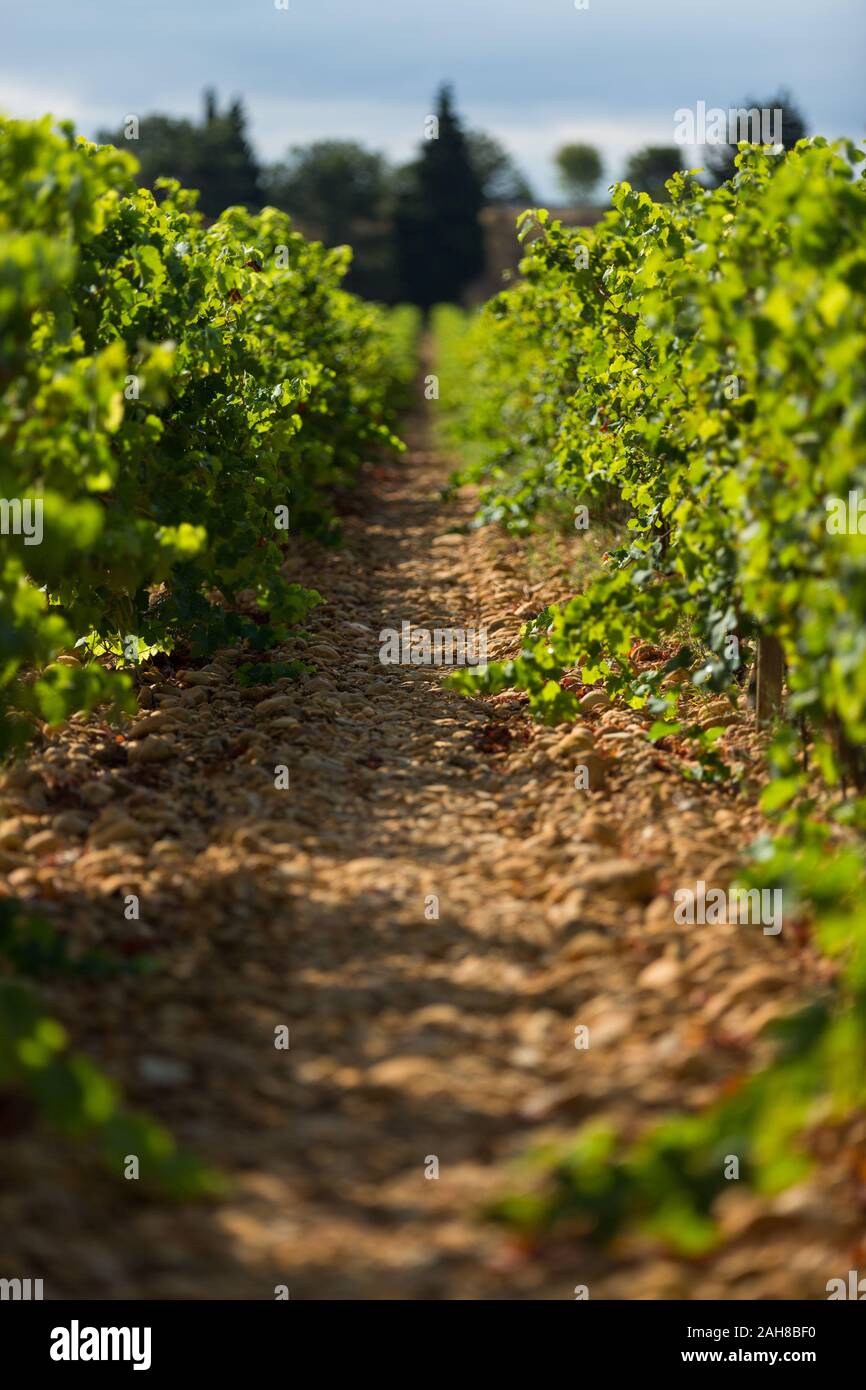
[533, 72]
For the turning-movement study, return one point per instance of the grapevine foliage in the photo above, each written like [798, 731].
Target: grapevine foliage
[165, 388]
[703, 361]
[170, 392]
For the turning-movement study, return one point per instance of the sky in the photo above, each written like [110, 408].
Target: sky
[535, 73]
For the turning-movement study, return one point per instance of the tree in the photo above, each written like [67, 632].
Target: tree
[501, 180]
[647, 170]
[228, 169]
[330, 185]
[438, 239]
[719, 159]
[214, 157]
[580, 169]
[164, 145]
[342, 193]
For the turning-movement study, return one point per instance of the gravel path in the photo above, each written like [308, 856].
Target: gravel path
[418, 1032]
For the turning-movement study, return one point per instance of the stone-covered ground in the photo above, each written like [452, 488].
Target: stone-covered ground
[413, 1036]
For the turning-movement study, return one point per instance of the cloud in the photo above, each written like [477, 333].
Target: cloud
[534, 72]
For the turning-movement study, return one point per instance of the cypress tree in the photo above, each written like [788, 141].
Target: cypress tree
[439, 241]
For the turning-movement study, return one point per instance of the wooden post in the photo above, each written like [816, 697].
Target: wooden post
[771, 667]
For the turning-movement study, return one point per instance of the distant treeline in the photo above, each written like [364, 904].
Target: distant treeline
[414, 228]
